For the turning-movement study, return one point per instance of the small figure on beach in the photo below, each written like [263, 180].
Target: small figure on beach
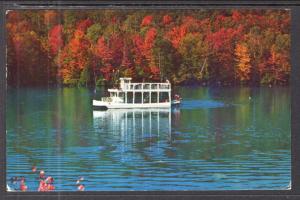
[23, 186]
[42, 174]
[46, 185]
[79, 180]
[33, 169]
[81, 187]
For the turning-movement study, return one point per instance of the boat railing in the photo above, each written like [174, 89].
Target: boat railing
[146, 86]
[106, 99]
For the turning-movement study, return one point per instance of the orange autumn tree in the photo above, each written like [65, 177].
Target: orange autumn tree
[242, 58]
[55, 39]
[138, 56]
[277, 67]
[147, 20]
[167, 19]
[175, 35]
[74, 59]
[206, 46]
[153, 69]
[126, 67]
[222, 59]
[27, 58]
[104, 54]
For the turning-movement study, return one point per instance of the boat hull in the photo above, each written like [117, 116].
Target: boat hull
[176, 102]
[101, 105]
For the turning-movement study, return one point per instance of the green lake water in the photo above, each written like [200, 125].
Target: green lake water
[233, 138]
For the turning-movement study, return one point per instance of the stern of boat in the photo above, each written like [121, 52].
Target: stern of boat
[99, 105]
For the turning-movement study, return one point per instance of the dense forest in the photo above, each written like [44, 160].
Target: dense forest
[96, 47]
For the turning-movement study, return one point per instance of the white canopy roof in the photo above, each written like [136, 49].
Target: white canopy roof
[126, 78]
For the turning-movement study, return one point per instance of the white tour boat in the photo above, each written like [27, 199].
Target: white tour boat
[137, 95]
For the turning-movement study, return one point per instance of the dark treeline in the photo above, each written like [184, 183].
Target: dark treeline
[95, 47]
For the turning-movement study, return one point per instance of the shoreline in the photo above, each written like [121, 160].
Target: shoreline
[173, 86]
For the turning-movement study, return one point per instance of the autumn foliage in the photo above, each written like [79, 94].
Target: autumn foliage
[55, 39]
[167, 19]
[147, 20]
[243, 62]
[184, 46]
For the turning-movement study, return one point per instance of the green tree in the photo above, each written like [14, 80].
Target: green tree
[94, 32]
[166, 58]
[194, 52]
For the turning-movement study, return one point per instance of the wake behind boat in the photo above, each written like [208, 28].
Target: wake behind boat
[137, 95]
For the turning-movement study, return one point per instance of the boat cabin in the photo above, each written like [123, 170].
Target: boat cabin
[140, 93]
[136, 95]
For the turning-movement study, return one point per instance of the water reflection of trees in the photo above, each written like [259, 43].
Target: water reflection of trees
[62, 119]
[254, 119]
[260, 120]
[43, 121]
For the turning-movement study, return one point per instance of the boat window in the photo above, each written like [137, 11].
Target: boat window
[146, 98]
[163, 86]
[154, 86]
[138, 97]
[153, 97]
[129, 97]
[139, 86]
[164, 97]
[147, 86]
